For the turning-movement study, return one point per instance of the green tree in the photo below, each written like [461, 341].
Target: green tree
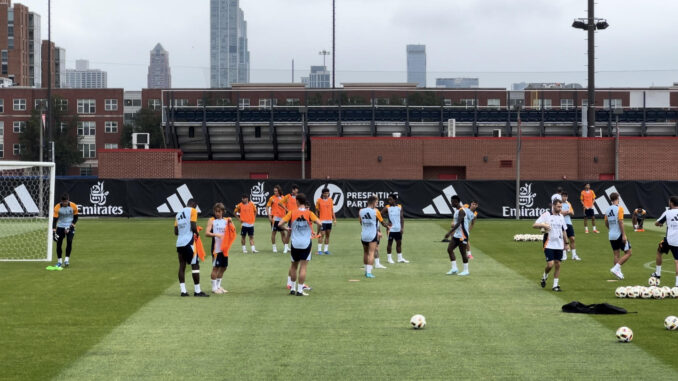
[146, 120]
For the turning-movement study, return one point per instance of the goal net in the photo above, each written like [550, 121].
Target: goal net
[26, 210]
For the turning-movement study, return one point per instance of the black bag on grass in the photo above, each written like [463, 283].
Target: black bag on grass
[603, 308]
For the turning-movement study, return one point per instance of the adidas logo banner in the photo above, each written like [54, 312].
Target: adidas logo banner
[419, 199]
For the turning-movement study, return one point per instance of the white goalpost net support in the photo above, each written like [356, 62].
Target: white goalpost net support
[26, 210]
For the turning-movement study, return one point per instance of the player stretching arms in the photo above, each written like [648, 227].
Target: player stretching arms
[394, 211]
[587, 196]
[459, 236]
[275, 213]
[614, 221]
[216, 228]
[670, 242]
[300, 221]
[63, 226]
[325, 207]
[246, 211]
[638, 219]
[289, 203]
[185, 226]
[368, 222]
[554, 224]
[567, 211]
[470, 223]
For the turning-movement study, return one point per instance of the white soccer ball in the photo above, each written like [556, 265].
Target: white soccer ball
[666, 291]
[671, 323]
[653, 281]
[674, 292]
[620, 292]
[418, 321]
[635, 292]
[624, 334]
[645, 293]
[657, 293]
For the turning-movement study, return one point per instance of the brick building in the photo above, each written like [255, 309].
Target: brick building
[99, 113]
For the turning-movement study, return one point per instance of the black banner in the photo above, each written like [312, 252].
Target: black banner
[420, 199]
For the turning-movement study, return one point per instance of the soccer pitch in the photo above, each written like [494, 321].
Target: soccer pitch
[117, 314]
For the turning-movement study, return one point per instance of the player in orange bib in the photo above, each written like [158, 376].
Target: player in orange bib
[246, 211]
[275, 213]
[325, 207]
[587, 197]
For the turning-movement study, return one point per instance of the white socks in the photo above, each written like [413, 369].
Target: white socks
[244, 249]
[59, 261]
[616, 267]
[376, 262]
[545, 276]
[466, 267]
[196, 287]
[368, 269]
[555, 282]
[454, 265]
[214, 284]
[300, 287]
[658, 270]
[320, 247]
[275, 249]
[574, 252]
[327, 247]
[289, 281]
[253, 249]
[218, 282]
[182, 286]
[400, 256]
[676, 280]
[286, 249]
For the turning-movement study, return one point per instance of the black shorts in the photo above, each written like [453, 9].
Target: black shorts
[274, 227]
[570, 230]
[247, 230]
[326, 226]
[301, 254]
[665, 248]
[398, 236]
[186, 253]
[640, 220]
[618, 244]
[376, 239]
[589, 213]
[220, 261]
[460, 241]
[553, 255]
[61, 232]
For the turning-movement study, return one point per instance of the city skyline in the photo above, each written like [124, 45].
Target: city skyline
[503, 50]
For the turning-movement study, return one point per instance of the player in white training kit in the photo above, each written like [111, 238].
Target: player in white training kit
[369, 218]
[394, 211]
[614, 221]
[185, 228]
[459, 233]
[554, 242]
[670, 242]
[568, 212]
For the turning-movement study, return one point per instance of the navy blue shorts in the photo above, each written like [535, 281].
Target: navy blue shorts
[326, 226]
[398, 236]
[570, 230]
[247, 230]
[589, 213]
[220, 261]
[186, 254]
[553, 255]
[618, 244]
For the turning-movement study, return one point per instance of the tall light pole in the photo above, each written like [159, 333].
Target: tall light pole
[334, 46]
[518, 149]
[591, 24]
[324, 53]
[49, 78]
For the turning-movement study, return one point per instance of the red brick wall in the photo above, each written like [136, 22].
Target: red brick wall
[541, 158]
[140, 164]
[243, 169]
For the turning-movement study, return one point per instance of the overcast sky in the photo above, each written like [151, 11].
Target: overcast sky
[499, 41]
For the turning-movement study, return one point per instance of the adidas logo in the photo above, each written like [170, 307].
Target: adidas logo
[603, 202]
[174, 204]
[441, 204]
[19, 202]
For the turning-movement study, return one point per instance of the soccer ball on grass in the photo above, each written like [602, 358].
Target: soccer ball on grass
[653, 281]
[418, 321]
[671, 323]
[624, 334]
[621, 292]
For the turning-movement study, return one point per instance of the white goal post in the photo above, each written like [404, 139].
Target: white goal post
[26, 210]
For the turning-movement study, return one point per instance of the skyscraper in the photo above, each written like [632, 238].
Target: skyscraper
[318, 78]
[457, 83]
[20, 45]
[416, 64]
[82, 77]
[159, 74]
[229, 56]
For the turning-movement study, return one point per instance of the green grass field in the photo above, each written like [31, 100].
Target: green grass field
[117, 314]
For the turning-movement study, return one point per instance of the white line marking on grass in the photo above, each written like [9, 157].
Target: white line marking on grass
[650, 266]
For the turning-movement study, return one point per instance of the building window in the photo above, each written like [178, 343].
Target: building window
[494, 103]
[17, 148]
[2, 105]
[111, 146]
[85, 171]
[2, 151]
[537, 103]
[612, 103]
[180, 102]
[584, 103]
[62, 127]
[20, 104]
[2, 129]
[292, 102]
[154, 104]
[111, 127]
[447, 102]
[266, 103]
[468, 103]
[548, 104]
[225, 102]
[566, 104]
[19, 127]
[40, 104]
[243, 103]
[200, 102]
[111, 105]
[87, 129]
[87, 151]
[61, 104]
[87, 106]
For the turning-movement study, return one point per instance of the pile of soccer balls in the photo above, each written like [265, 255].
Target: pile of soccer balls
[654, 291]
[418, 321]
[527, 237]
[625, 334]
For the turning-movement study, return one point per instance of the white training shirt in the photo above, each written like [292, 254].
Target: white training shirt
[613, 215]
[394, 212]
[566, 209]
[183, 223]
[218, 227]
[670, 217]
[555, 239]
[368, 216]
